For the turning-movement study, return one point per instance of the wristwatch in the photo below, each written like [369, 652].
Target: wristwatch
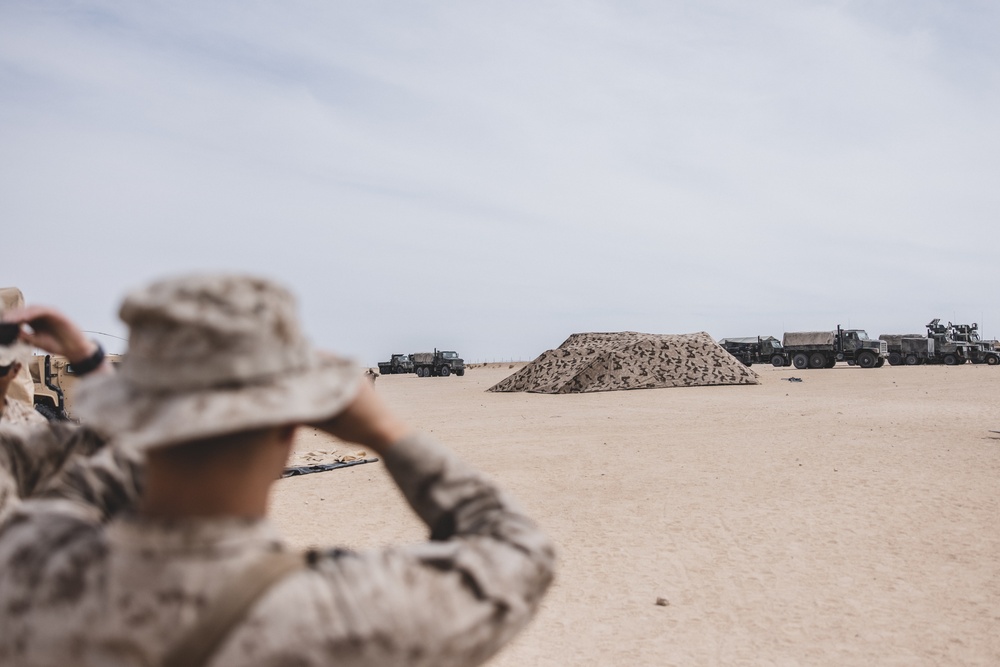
[89, 364]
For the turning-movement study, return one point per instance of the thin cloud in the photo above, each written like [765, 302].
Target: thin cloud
[487, 177]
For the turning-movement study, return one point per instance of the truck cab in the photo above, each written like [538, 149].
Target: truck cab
[398, 363]
[854, 339]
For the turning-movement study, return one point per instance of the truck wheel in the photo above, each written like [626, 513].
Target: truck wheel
[880, 363]
[911, 360]
[777, 361]
[423, 372]
[50, 413]
[445, 371]
[950, 360]
[992, 360]
[460, 372]
[895, 358]
[831, 363]
[817, 360]
[800, 361]
[867, 360]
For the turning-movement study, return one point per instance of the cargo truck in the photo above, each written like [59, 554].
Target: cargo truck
[398, 363]
[438, 363]
[757, 350]
[823, 349]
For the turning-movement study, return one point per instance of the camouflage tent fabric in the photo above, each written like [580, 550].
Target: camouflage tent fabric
[628, 360]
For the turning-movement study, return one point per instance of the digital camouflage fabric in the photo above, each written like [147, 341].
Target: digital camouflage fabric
[210, 354]
[628, 360]
[86, 581]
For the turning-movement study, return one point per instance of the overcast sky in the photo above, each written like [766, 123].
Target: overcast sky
[492, 177]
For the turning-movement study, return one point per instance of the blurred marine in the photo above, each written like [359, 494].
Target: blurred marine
[155, 549]
[16, 389]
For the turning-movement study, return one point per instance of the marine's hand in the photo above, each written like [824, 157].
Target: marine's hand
[366, 421]
[53, 332]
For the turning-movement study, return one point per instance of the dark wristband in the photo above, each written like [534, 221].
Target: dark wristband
[90, 363]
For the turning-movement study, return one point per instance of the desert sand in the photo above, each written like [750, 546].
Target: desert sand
[852, 518]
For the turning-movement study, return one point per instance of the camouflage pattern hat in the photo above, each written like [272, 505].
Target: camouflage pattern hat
[210, 355]
[11, 298]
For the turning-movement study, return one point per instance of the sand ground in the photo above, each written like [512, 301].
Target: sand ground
[849, 519]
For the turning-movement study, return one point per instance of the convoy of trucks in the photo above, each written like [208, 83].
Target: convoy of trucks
[810, 349]
[439, 363]
[950, 344]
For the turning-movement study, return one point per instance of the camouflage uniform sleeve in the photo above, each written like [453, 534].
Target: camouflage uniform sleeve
[62, 460]
[108, 482]
[32, 456]
[456, 599]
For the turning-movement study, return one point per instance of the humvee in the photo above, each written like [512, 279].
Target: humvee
[55, 383]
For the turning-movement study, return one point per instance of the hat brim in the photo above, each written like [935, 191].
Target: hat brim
[144, 419]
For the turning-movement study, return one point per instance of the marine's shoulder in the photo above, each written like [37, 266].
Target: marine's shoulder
[19, 413]
[43, 536]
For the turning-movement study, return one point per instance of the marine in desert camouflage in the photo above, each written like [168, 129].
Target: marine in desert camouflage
[16, 397]
[104, 564]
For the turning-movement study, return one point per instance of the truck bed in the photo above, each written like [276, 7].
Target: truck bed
[808, 339]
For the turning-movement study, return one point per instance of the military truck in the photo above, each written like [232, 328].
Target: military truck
[823, 349]
[980, 351]
[398, 363]
[55, 384]
[909, 349]
[437, 363]
[758, 350]
[942, 345]
[947, 350]
[916, 344]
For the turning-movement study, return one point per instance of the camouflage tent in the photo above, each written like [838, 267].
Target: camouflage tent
[628, 360]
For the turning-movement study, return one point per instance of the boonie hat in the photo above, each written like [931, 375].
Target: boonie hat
[210, 355]
[11, 298]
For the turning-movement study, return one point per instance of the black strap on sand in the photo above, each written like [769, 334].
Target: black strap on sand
[196, 647]
[295, 471]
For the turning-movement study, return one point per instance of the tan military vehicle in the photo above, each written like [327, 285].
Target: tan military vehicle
[55, 383]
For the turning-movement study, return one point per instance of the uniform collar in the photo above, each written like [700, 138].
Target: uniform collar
[219, 536]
